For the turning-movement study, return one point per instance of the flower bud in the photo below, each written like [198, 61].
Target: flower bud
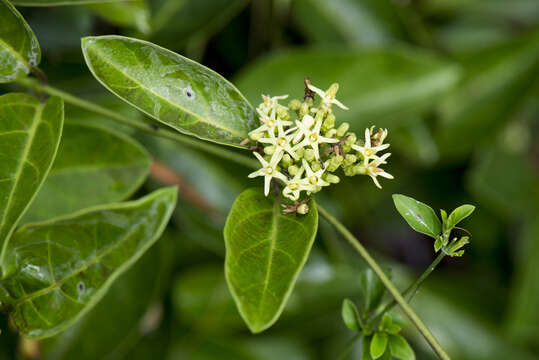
[282, 113]
[256, 136]
[269, 150]
[351, 139]
[300, 152]
[294, 104]
[308, 154]
[329, 123]
[331, 133]
[315, 166]
[330, 178]
[342, 129]
[303, 110]
[349, 159]
[303, 209]
[349, 170]
[335, 162]
[293, 170]
[287, 160]
[360, 169]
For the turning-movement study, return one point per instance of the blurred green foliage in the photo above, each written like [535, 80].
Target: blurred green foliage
[455, 82]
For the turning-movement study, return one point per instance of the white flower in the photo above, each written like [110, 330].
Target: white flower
[269, 106]
[268, 170]
[313, 179]
[328, 97]
[368, 150]
[269, 124]
[372, 169]
[294, 186]
[310, 136]
[283, 140]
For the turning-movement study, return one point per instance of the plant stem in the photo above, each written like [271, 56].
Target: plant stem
[410, 313]
[412, 289]
[217, 150]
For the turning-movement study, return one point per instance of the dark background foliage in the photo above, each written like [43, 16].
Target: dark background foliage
[455, 82]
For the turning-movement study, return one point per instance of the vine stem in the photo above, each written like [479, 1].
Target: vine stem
[210, 148]
[410, 313]
[250, 163]
[412, 289]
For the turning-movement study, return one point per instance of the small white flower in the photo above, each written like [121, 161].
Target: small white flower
[372, 169]
[282, 141]
[268, 170]
[310, 136]
[368, 150]
[269, 105]
[294, 186]
[313, 179]
[328, 96]
[269, 124]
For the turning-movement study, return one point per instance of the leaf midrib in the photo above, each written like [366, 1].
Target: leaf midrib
[27, 146]
[15, 54]
[174, 105]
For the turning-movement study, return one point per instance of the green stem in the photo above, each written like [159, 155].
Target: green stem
[149, 128]
[410, 313]
[412, 289]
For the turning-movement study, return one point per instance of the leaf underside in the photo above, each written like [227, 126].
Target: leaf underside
[265, 251]
[57, 270]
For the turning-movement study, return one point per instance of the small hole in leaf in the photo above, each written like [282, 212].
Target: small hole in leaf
[80, 286]
[189, 92]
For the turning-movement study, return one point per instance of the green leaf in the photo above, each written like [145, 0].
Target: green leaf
[371, 84]
[378, 345]
[92, 337]
[56, 271]
[30, 132]
[170, 88]
[85, 175]
[61, 2]
[265, 251]
[350, 315]
[135, 14]
[372, 291]
[459, 214]
[419, 216]
[365, 348]
[19, 49]
[400, 348]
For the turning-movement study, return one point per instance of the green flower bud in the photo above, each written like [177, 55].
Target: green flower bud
[342, 129]
[330, 178]
[351, 139]
[282, 113]
[335, 162]
[329, 123]
[309, 101]
[294, 104]
[293, 170]
[346, 148]
[349, 159]
[269, 150]
[256, 136]
[315, 166]
[287, 160]
[308, 154]
[331, 133]
[304, 110]
[349, 170]
[300, 152]
[303, 209]
[360, 169]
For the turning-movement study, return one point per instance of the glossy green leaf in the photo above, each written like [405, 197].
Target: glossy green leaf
[365, 348]
[400, 348]
[85, 175]
[350, 315]
[61, 2]
[375, 84]
[19, 49]
[134, 14]
[265, 251]
[170, 88]
[56, 271]
[378, 345]
[371, 289]
[459, 214]
[495, 80]
[30, 132]
[419, 216]
[92, 337]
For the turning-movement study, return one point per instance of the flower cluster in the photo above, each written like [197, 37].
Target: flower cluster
[304, 152]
